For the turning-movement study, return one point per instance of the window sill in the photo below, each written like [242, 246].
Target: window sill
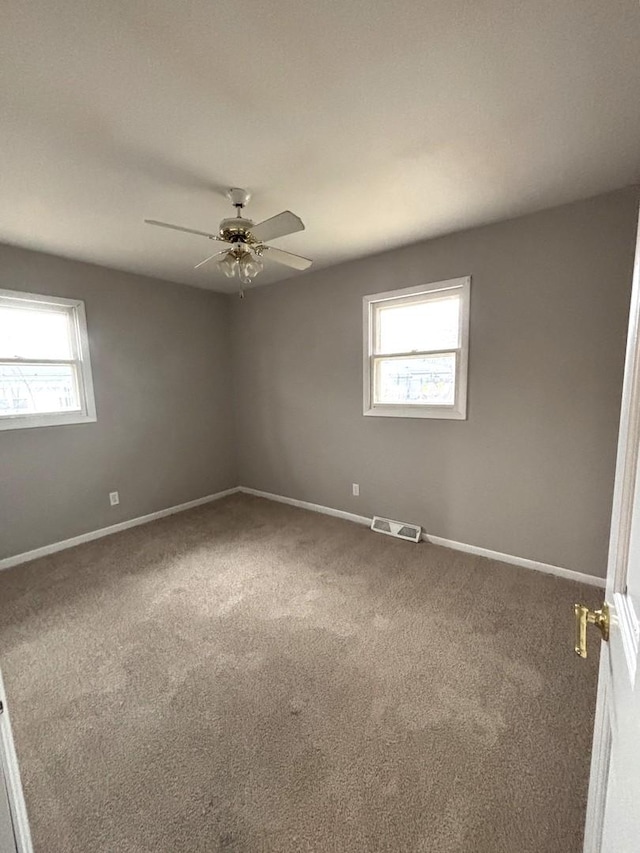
[447, 413]
[56, 419]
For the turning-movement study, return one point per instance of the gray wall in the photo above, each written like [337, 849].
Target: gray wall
[530, 473]
[164, 434]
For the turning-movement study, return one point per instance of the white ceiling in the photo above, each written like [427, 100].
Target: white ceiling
[378, 123]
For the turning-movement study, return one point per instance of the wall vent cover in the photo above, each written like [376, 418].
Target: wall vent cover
[399, 529]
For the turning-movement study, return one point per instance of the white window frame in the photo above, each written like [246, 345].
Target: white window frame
[80, 359]
[456, 411]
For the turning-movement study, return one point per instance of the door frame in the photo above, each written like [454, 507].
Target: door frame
[11, 772]
[624, 492]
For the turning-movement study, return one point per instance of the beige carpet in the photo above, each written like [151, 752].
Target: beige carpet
[251, 677]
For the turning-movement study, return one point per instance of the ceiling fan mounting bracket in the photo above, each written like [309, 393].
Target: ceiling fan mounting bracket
[238, 197]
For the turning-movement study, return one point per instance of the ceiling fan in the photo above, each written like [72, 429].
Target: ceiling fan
[245, 244]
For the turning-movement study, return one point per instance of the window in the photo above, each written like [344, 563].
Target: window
[416, 351]
[45, 373]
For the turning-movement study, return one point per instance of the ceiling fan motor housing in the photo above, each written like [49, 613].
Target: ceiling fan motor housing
[235, 229]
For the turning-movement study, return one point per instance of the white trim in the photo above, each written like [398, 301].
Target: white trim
[628, 446]
[86, 373]
[25, 557]
[325, 510]
[626, 489]
[418, 289]
[623, 615]
[42, 420]
[456, 411]
[600, 759]
[54, 302]
[523, 562]
[629, 625]
[9, 765]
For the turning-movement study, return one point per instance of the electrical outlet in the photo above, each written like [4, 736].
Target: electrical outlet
[355, 490]
[114, 498]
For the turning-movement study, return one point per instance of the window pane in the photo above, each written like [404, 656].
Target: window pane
[417, 326]
[27, 333]
[423, 380]
[28, 389]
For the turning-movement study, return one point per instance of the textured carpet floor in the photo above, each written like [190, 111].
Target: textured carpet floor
[249, 677]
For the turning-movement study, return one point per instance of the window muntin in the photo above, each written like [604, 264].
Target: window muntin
[416, 351]
[45, 374]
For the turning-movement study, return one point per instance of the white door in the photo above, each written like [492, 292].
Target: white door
[613, 810]
[14, 827]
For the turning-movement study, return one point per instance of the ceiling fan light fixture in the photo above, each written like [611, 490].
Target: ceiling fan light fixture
[228, 265]
[240, 262]
[250, 265]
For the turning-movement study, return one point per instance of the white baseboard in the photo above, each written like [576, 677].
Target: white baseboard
[570, 574]
[547, 568]
[525, 563]
[8, 562]
[325, 510]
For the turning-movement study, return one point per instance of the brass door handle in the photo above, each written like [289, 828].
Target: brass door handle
[585, 617]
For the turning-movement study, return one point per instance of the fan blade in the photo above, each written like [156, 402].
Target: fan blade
[180, 228]
[211, 257]
[297, 262]
[278, 226]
